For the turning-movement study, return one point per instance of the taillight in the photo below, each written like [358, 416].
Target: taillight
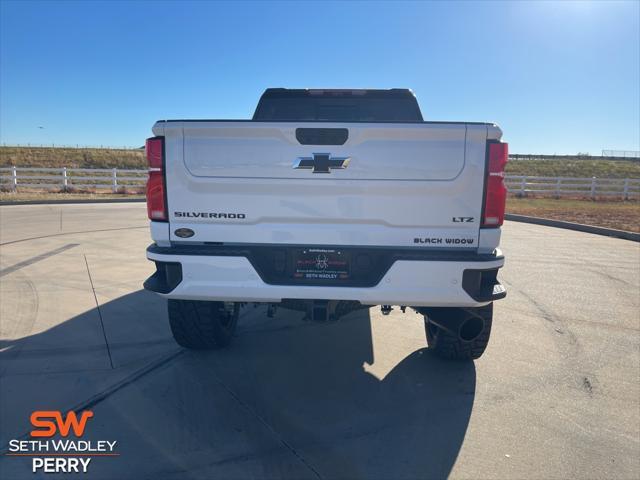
[495, 189]
[156, 206]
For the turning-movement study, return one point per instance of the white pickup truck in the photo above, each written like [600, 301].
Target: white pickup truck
[328, 201]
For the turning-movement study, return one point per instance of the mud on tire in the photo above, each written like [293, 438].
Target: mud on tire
[202, 325]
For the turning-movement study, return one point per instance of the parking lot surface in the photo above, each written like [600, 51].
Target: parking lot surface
[556, 395]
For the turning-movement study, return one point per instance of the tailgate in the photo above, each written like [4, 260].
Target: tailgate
[326, 184]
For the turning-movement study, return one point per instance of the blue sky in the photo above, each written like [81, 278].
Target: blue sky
[558, 77]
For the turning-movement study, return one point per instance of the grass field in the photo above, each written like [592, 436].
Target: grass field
[619, 215]
[119, 158]
[71, 157]
[575, 168]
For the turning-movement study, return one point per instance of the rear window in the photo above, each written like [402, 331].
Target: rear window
[283, 105]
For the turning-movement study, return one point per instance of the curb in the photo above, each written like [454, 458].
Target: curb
[71, 200]
[608, 232]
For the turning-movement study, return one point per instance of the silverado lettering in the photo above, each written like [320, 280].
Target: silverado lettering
[355, 201]
[208, 215]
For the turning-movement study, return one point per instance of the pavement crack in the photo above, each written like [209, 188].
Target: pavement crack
[268, 426]
[116, 387]
[95, 297]
[608, 276]
[37, 258]
[70, 233]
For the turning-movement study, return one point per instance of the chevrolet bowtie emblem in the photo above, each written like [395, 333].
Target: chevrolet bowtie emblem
[321, 162]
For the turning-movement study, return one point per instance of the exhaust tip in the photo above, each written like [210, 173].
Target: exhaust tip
[471, 329]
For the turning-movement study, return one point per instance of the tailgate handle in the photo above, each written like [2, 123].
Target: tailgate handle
[322, 136]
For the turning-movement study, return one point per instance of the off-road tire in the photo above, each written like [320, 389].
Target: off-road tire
[450, 347]
[202, 325]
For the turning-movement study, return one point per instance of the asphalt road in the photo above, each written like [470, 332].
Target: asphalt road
[556, 395]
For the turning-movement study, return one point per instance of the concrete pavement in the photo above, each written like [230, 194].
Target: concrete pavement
[556, 395]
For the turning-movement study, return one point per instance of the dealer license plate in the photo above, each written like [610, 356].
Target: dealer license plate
[321, 264]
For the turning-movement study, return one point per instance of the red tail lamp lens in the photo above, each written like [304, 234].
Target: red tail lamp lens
[496, 191]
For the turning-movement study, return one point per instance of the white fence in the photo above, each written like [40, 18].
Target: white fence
[119, 180]
[523, 185]
[68, 179]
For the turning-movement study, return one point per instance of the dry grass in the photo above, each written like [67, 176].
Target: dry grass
[619, 215]
[575, 168]
[72, 157]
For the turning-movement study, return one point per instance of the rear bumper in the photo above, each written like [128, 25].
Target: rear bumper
[411, 277]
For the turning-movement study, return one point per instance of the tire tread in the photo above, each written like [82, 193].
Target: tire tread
[196, 324]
